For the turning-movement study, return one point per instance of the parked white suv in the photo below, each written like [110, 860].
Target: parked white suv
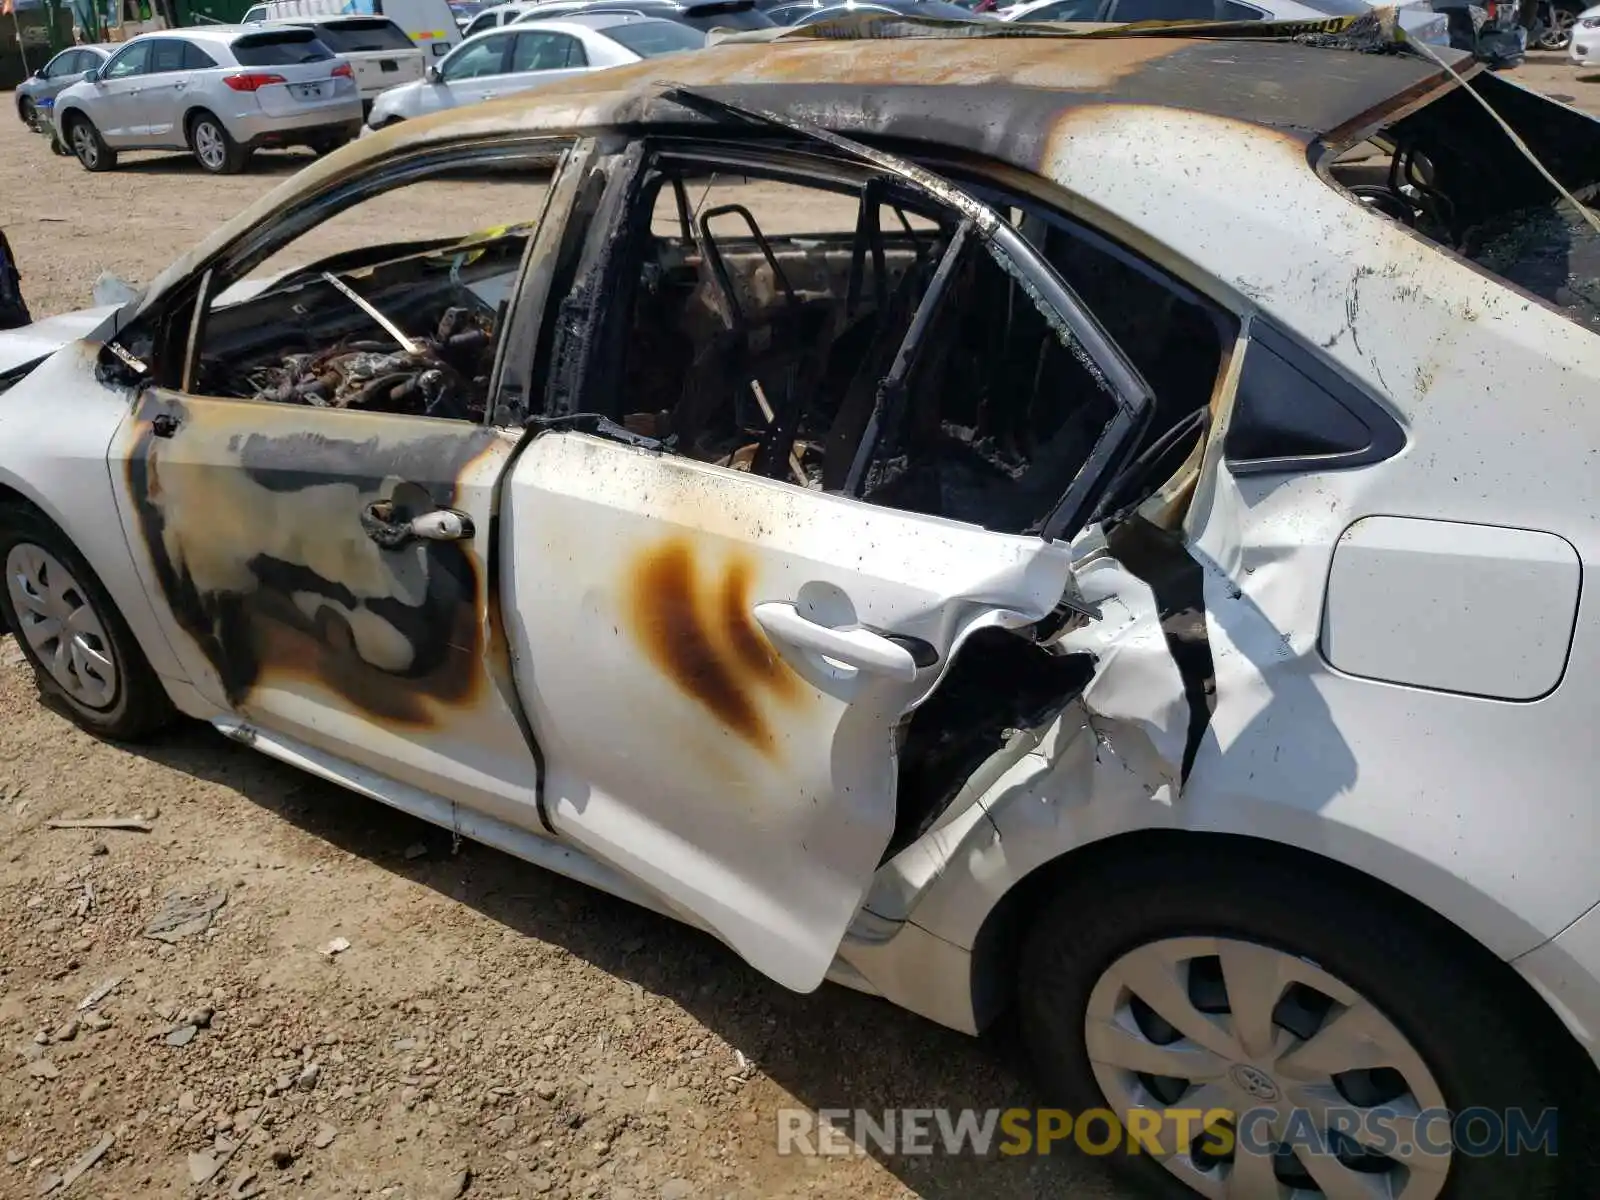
[223, 92]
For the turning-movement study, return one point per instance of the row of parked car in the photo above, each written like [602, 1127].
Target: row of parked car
[291, 77]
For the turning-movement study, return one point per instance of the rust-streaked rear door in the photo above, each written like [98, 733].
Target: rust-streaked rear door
[715, 664]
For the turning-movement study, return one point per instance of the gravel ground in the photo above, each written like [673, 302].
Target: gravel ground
[490, 1029]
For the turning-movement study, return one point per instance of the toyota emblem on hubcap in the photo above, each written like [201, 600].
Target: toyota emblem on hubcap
[1255, 1081]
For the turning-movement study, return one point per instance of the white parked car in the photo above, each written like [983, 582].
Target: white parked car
[504, 61]
[497, 15]
[1585, 46]
[430, 24]
[377, 49]
[1109, 568]
[1417, 18]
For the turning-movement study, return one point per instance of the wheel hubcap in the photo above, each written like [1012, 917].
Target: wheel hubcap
[1311, 1090]
[208, 144]
[83, 143]
[59, 625]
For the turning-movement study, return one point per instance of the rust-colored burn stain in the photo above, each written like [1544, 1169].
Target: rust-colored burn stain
[750, 646]
[700, 634]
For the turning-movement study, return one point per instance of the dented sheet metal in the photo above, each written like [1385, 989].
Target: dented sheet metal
[755, 786]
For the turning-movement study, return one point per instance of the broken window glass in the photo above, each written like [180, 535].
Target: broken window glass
[845, 336]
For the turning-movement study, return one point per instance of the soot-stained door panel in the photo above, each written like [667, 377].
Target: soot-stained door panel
[715, 664]
[293, 612]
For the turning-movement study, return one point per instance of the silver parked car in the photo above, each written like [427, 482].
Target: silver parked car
[37, 94]
[223, 92]
[516, 59]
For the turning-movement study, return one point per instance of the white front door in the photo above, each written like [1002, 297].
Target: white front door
[118, 109]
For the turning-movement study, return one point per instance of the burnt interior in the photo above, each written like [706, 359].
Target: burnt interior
[1452, 174]
[891, 358]
[894, 359]
[305, 340]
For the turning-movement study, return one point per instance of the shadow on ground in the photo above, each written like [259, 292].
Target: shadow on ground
[264, 163]
[831, 1049]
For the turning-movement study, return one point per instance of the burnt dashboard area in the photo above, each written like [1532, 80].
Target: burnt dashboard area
[409, 329]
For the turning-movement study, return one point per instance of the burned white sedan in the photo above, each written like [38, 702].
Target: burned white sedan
[1100, 535]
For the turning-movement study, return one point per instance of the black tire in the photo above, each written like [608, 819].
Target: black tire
[139, 706]
[90, 148]
[1445, 999]
[27, 111]
[1559, 35]
[213, 146]
[325, 146]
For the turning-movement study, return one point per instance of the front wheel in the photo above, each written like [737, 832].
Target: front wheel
[91, 149]
[1258, 1030]
[28, 113]
[82, 652]
[214, 147]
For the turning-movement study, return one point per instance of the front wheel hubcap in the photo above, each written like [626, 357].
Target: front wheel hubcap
[57, 621]
[83, 143]
[1257, 1075]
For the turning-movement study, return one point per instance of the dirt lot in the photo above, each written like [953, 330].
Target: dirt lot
[490, 1029]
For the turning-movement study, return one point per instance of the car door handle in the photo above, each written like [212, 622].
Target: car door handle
[893, 655]
[440, 525]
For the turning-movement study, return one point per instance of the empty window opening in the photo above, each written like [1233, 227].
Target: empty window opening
[393, 304]
[848, 335]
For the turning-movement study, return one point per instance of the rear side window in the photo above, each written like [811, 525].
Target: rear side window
[280, 48]
[196, 59]
[1162, 10]
[363, 34]
[1295, 413]
[731, 18]
[166, 55]
[1242, 12]
[547, 52]
[648, 39]
[1064, 10]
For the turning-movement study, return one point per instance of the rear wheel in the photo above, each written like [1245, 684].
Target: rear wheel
[1558, 34]
[214, 148]
[82, 652]
[1329, 1034]
[92, 152]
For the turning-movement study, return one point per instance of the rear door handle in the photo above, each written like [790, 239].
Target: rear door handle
[894, 656]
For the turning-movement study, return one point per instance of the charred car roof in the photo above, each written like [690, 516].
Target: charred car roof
[1001, 96]
[997, 95]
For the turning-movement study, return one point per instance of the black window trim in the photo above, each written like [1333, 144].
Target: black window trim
[582, 368]
[1386, 436]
